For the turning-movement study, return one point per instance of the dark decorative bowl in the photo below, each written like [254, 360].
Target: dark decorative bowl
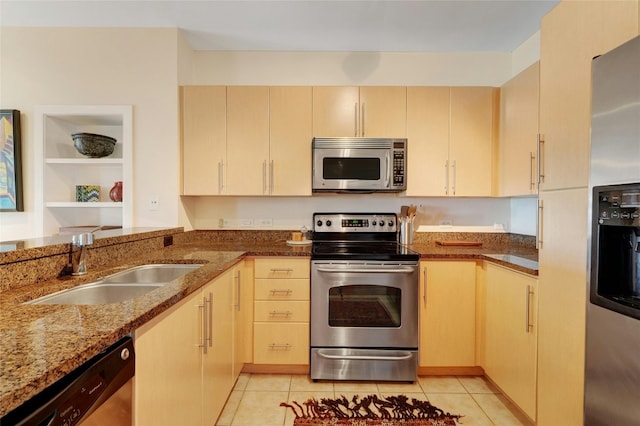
[93, 145]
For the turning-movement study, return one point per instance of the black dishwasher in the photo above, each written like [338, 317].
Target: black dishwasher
[73, 399]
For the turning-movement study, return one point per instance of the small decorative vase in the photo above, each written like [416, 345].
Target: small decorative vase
[116, 192]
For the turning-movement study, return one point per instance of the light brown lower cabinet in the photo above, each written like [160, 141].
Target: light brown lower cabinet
[447, 313]
[185, 358]
[511, 332]
[281, 311]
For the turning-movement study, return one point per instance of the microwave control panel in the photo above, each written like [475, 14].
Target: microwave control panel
[399, 166]
[618, 207]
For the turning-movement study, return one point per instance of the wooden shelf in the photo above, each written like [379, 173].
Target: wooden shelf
[75, 204]
[85, 161]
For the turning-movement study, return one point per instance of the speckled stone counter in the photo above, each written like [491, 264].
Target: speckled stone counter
[39, 344]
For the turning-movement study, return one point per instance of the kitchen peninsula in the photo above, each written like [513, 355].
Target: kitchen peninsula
[42, 343]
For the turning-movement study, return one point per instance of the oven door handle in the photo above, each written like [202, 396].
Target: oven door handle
[384, 270]
[409, 355]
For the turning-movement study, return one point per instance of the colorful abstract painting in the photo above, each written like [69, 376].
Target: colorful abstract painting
[10, 162]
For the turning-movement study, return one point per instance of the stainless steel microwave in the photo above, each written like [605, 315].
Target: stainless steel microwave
[359, 164]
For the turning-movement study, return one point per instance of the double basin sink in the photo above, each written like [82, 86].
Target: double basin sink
[119, 287]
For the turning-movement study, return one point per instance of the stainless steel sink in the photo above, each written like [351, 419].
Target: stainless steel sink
[119, 287]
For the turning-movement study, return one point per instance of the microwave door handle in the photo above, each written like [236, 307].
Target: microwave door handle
[386, 180]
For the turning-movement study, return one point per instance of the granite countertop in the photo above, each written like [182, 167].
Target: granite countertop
[42, 343]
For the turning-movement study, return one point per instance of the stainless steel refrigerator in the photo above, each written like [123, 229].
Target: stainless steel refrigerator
[612, 374]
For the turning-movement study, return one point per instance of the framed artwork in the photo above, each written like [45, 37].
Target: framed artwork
[10, 162]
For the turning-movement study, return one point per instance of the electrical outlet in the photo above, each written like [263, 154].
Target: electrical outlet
[446, 222]
[264, 222]
[246, 222]
[226, 223]
[153, 203]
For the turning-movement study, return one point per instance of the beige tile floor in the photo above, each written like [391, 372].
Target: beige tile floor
[256, 398]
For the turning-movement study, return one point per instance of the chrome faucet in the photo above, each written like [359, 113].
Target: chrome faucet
[79, 243]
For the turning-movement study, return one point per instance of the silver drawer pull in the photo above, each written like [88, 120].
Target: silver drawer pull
[285, 291]
[281, 270]
[280, 313]
[280, 346]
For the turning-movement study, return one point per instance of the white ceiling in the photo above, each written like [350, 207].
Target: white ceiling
[296, 25]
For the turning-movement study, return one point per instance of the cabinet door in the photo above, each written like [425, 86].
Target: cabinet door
[447, 314]
[471, 140]
[571, 35]
[511, 335]
[239, 308]
[383, 112]
[168, 380]
[217, 366]
[335, 111]
[247, 140]
[561, 306]
[519, 133]
[204, 139]
[428, 140]
[290, 140]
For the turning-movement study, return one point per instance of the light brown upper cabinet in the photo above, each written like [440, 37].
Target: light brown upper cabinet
[451, 134]
[247, 141]
[571, 35]
[290, 140]
[346, 111]
[204, 139]
[518, 156]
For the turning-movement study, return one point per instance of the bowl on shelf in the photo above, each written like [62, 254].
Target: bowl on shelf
[93, 145]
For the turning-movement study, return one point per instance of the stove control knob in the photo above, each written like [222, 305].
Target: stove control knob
[319, 223]
[382, 223]
[374, 223]
[390, 223]
[328, 222]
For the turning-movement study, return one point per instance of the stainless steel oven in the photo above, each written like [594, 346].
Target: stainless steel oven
[364, 300]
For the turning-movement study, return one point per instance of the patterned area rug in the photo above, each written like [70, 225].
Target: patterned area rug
[370, 411]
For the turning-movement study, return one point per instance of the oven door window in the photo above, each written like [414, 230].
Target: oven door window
[356, 168]
[365, 306]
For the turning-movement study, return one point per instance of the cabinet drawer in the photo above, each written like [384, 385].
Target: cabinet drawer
[282, 268]
[281, 343]
[294, 289]
[295, 311]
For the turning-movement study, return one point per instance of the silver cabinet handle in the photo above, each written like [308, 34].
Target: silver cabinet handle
[446, 177]
[532, 178]
[271, 174]
[540, 225]
[220, 176]
[280, 346]
[362, 119]
[424, 286]
[203, 345]
[355, 119]
[540, 159]
[453, 187]
[210, 331]
[264, 177]
[287, 270]
[285, 291]
[238, 291]
[280, 313]
[528, 325]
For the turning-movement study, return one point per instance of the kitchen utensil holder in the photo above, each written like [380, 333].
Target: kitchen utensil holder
[406, 232]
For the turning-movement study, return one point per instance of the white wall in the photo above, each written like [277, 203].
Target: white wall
[144, 67]
[94, 66]
[352, 68]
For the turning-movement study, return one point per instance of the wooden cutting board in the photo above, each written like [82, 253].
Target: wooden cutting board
[466, 243]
